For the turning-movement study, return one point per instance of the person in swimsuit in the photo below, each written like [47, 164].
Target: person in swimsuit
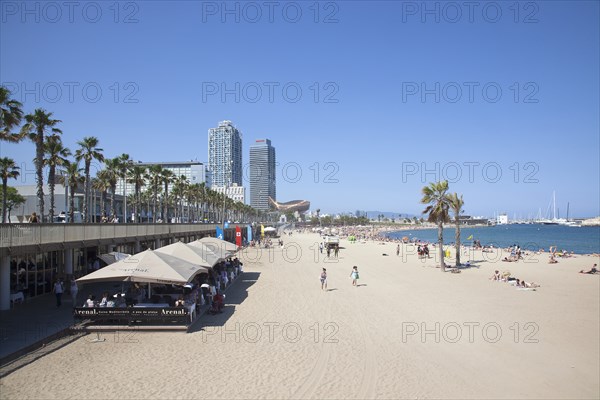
[324, 279]
[593, 270]
[496, 276]
[354, 275]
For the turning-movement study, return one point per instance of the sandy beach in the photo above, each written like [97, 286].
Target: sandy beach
[406, 331]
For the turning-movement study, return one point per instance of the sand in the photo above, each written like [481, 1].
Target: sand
[407, 331]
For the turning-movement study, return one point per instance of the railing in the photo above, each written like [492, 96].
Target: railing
[18, 235]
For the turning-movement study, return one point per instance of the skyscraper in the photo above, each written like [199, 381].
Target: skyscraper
[225, 154]
[262, 174]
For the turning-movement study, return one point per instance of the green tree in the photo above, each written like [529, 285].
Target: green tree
[88, 151]
[456, 205]
[437, 211]
[8, 170]
[13, 199]
[11, 114]
[56, 156]
[36, 127]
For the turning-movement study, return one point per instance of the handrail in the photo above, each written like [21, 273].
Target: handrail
[19, 235]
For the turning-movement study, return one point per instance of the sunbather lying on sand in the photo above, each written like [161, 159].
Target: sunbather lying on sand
[529, 285]
[593, 270]
[496, 276]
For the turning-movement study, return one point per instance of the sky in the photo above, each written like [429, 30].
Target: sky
[365, 102]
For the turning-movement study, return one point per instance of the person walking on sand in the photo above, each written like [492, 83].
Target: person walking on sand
[324, 279]
[354, 275]
[398, 250]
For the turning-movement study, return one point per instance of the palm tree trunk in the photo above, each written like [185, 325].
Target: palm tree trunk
[86, 195]
[441, 246]
[102, 204]
[51, 174]
[457, 243]
[4, 199]
[39, 161]
[154, 205]
[72, 204]
[112, 201]
[166, 205]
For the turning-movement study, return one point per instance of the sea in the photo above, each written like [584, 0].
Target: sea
[580, 240]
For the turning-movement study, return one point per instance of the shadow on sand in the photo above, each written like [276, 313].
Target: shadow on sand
[234, 295]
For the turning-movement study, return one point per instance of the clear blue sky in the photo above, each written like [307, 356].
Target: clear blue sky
[375, 115]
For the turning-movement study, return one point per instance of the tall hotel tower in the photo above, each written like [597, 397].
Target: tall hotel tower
[262, 174]
[225, 155]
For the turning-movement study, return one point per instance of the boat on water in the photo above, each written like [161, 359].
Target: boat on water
[554, 220]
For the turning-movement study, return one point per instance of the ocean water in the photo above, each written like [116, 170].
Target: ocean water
[581, 240]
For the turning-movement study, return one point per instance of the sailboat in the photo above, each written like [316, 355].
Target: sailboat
[554, 220]
[575, 224]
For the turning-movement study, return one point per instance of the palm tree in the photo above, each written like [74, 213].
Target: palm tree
[137, 177]
[179, 190]
[112, 173]
[8, 170]
[456, 204]
[167, 177]
[102, 183]
[435, 196]
[10, 116]
[155, 179]
[124, 165]
[88, 151]
[35, 128]
[71, 177]
[56, 156]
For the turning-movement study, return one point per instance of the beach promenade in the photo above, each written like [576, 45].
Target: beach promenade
[406, 331]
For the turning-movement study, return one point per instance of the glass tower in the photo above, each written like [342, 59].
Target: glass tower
[225, 154]
[262, 174]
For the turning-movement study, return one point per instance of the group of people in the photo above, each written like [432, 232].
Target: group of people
[354, 275]
[422, 250]
[554, 253]
[265, 242]
[107, 300]
[105, 219]
[519, 283]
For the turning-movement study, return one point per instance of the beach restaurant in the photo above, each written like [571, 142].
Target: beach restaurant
[166, 286]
